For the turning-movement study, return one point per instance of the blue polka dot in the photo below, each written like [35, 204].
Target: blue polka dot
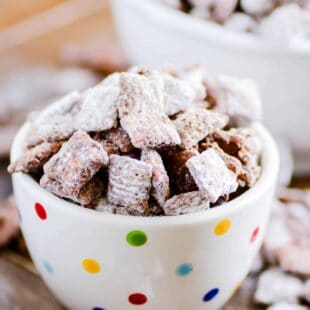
[184, 269]
[97, 308]
[48, 267]
[211, 294]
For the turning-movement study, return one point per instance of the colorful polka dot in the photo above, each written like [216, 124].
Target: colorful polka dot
[184, 269]
[210, 295]
[91, 266]
[137, 299]
[222, 227]
[41, 212]
[48, 267]
[136, 238]
[254, 234]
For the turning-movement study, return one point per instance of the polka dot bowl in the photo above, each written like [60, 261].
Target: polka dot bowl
[91, 260]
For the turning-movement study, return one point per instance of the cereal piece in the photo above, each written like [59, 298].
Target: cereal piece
[219, 10]
[56, 122]
[104, 207]
[241, 22]
[276, 286]
[237, 97]
[76, 163]
[120, 138]
[8, 220]
[109, 147]
[196, 123]
[175, 160]
[239, 142]
[160, 181]
[294, 195]
[186, 203]
[195, 76]
[231, 162]
[150, 131]
[288, 23]
[294, 259]
[140, 94]
[98, 110]
[88, 193]
[180, 94]
[141, 109]
[129, 182]
[127, 211]
[277, 236]
[35, 158]
[286, 306]
[150, 210]
[211, 175]
[257, 7]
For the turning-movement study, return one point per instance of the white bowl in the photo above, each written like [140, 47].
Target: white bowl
[185, 259]
[153, 33]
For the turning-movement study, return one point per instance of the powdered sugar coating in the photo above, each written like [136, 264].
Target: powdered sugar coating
[76, 163]
[141, 109]
[98, 110]
[130, 182]
[239, 98]
[186, 203]
[56, 122]
[211, 175]
[160, 181]
[196, 123]
[120, 138]
[35, 158]
[275, 286]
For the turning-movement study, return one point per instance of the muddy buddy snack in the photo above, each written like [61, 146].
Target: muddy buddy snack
[148, 142]
[286, 20]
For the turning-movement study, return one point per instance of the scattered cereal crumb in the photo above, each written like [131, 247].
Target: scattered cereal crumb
[276, 286]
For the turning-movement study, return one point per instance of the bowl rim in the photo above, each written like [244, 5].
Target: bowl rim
[266, 182]
[162, 14]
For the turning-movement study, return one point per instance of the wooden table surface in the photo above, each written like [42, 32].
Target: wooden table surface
[20, 286]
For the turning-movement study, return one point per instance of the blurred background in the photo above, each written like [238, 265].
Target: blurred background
[50, 47]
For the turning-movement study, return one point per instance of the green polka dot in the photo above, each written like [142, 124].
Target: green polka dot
[136, 238]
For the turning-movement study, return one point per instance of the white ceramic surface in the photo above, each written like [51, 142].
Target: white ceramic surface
[61, 235]
[153, 33]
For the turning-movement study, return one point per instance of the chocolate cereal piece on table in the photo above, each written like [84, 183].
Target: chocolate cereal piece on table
[147, 143]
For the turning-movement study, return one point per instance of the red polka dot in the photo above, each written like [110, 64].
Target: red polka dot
[137, 299]
[254, 234]
[41, 213]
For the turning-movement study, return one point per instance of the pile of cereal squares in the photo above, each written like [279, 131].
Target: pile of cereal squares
[281, 19]
[148, 142]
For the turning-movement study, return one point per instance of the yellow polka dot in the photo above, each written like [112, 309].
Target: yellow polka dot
[222, 227]
[91, 266]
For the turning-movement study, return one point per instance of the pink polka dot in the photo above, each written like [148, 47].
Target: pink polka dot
[254, 234]
[41, 212]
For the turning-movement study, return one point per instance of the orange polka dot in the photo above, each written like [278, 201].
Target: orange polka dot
[222, 227]
[91, 266]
